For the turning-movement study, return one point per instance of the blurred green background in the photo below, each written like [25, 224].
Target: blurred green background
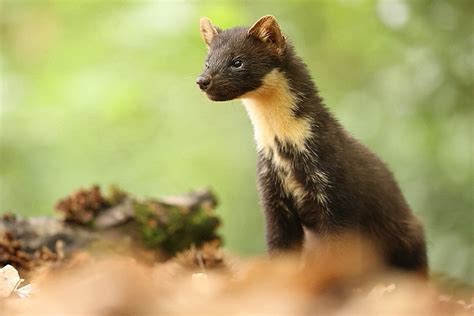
[104, 92]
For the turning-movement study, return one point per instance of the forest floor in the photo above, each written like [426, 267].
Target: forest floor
[114, 254]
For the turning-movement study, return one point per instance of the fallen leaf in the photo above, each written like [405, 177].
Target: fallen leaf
[9, 280]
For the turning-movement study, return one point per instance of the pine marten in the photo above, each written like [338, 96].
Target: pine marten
[313, 176]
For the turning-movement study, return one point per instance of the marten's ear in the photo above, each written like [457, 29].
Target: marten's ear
[208, 31]
[268, 31]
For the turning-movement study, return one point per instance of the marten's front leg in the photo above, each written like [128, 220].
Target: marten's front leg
[283, 228]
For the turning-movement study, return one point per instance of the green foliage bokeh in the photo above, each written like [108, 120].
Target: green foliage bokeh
[104, 92]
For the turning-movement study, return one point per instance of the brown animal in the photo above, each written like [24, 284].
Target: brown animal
[314, 178]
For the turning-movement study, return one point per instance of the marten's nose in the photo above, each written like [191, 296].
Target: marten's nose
[203, 82]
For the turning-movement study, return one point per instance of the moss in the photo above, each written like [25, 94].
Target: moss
[175, 228]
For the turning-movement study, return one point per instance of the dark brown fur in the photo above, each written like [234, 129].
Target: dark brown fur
[346, 187]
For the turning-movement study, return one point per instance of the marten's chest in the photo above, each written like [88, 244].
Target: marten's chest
[273, 123]
[287, 176]
[278, 139]
[307, 187]
[280, 136]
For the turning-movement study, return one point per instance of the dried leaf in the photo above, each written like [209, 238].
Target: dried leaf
[9, 280]
[25, 291]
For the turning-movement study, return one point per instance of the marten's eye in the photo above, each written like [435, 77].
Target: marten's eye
[206, 65]
[237, 63]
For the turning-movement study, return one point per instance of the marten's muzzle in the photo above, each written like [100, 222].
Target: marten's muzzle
[204, 82]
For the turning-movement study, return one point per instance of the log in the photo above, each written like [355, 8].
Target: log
[91, 220]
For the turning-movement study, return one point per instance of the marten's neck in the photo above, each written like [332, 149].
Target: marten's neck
[283, 109]
[271, 110]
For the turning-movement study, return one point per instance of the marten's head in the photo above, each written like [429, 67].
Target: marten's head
[239, 58]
